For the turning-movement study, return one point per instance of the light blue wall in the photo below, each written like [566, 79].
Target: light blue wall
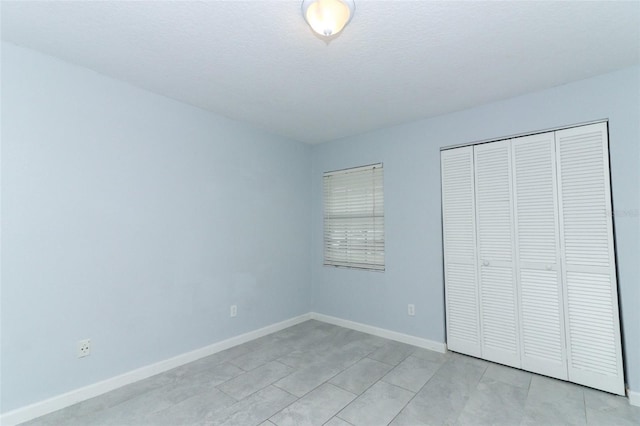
[136, 221]
[410, 154]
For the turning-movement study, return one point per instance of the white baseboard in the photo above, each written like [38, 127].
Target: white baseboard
[634, 397]
[382, 332]
[50, 405]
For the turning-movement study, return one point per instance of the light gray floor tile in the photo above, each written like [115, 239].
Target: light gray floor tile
[508, 375]
[465, 375]
[110, 399]
[66, 416]
[316, 329]
[494, 403]
[412, 373]
[347, 355]
[196, 366]
[608, 409]
[254, 380]
[132, 411]
[56, 418]
[460, 358]
[304, 380]
[337, 421]
[236, 351]
[280, 345]
[252, 410]
[552, 402]
[377, 406]
[341, 336]
[300, 359]
[341, 356]
[199, 380]
[431, 355]
[321, 364]
[268, 351]
[310, 338]
[442, 399]
[360, 376]
[348, 339]
[192, 411]
[315, 408]
[392, 353]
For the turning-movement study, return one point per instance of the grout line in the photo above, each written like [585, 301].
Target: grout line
[326, 382]
[232, 397]
[365, 391]
[393, 367]
[584, 402]
[484, 371]
[381, 362]
[253, 393]
[284, 390]
[340, 387]
[419, 390]
[401, 387]
[283, 408]
[524, 409]
[349, 423]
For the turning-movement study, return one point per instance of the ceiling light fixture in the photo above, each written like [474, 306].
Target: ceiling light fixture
[327, 17]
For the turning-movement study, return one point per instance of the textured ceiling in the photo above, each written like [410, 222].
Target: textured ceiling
[397, 61]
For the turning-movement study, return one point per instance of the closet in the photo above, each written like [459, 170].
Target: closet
[529, 263]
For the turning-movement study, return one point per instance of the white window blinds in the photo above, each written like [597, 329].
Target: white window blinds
[354, 218]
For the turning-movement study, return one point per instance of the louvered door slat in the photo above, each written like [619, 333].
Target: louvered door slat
[591, 313]
[538, 252]
[498, 311]
[458, 218]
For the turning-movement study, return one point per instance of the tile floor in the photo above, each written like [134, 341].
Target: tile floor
[319, 374]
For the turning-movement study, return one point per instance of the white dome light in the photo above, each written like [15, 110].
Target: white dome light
[327, 17]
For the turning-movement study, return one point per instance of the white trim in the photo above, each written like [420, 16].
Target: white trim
[634, 397]
[519, 135]
[58, 402]
[382, 332]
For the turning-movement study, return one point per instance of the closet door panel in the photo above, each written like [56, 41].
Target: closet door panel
[460, 269]
[538, 255]
[494, 217]
[591, 314]
[498, 315]
[542, 332]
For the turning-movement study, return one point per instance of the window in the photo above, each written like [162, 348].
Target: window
[354, 218]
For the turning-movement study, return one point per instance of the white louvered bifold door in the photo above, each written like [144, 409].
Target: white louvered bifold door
[538, 274]
[591, 313]
[494, 218]
[458, 220]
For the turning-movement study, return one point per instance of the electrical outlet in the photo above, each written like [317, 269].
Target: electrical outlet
[84, 348]
[233, 311]
[411, 310]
